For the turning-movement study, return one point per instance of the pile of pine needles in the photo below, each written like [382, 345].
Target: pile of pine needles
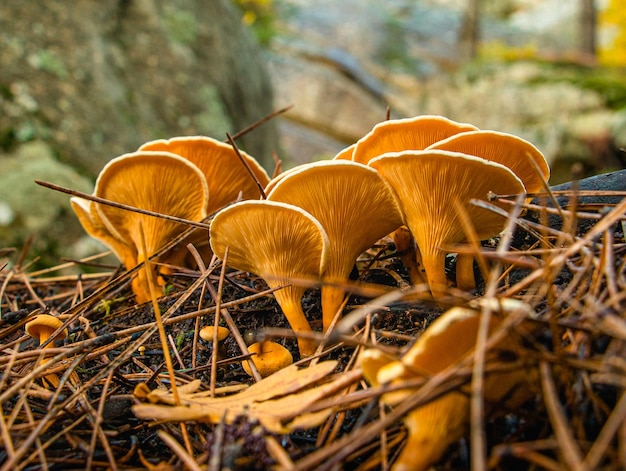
[120, 355]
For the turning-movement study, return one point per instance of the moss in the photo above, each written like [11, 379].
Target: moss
[50, 62]
[180, 25]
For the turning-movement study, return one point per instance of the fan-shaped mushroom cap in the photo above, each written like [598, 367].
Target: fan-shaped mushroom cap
[224, 172]
[506, 149]
[354, 205]
[439, 423]
[157, 181]
[279, 242]
[427, 183]
[396, 135]
[345, 154]
[268, 357]
[93, 225]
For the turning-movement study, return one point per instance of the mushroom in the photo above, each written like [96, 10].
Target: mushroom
[268, 357]
[437, 424]
[209, 334]
[522, 157]
[157, 181]
[345, 154]
[93, 225]
[519, 155]
[427, 183]
[225, 174]
[354, 205]
[396, 135]
[41, 328]
[279, 242]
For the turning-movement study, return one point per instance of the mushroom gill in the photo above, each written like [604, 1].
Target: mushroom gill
[226, 176]
[279, 242]
[354, 205]
[427, 185]
[161, 182]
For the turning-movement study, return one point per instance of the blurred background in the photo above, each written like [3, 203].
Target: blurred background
[83, 82]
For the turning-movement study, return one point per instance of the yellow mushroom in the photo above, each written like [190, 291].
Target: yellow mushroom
[225, 174]
[519, 155]
[354, 205]
[41, 328]
[452, 337]
[396, 135]
[156, 181]
[268, 357]
[279, 242]
[427, 184]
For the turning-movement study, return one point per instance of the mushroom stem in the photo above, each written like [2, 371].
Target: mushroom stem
[434, 262]
[430, 427]
[465, 279]
[332, 299]
[409, 254]
[289, 301]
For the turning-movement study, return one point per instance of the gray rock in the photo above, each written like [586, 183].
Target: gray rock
[97, 79]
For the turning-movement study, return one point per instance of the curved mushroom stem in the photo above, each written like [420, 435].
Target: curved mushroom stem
[332, 299]
[465, 279]
[51, 378]
[289, 301]
[432, 428]
[434, 265]
[409, 254]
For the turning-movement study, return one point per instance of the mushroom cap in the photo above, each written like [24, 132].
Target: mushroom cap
[157, 181]
[270, 238]
[354, 205]
[506, 149]
[269, 357]
[225, 174]
[427, 183]
[345, 154]
[206, 333]
[396, 135]
[279, 242]
[43, 325]
[90, 219]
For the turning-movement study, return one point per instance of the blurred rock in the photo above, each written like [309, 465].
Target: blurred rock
[90, 80]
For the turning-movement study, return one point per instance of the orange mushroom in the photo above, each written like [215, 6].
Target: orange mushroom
[396, 135]
[522, 157]
[519, 155]
[354, 205]
[427, 183]
[435, 425]
[225, 174]
[268, 357]
[156, 181]
[42, 327]
[279, 242]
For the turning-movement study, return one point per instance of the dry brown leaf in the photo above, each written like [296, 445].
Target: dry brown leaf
[283, 396]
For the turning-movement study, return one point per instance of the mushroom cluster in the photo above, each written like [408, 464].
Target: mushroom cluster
[185, 177]
[435, 167]
[407, 177]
